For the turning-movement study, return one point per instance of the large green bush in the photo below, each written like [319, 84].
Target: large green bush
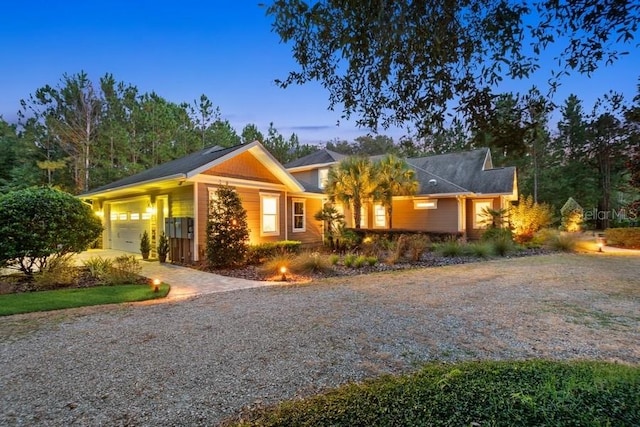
[227, 230]
[41, 224]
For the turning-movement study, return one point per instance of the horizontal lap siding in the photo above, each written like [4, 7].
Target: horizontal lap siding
[313, 228]
[472, 233]
[444, 218]
[181, 201]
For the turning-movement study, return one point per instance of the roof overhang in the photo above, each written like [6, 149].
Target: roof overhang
[311, 167]
[136, 188]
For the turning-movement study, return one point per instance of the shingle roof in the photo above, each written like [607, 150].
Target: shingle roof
[464, 171]
[181, 166]
[316, 158]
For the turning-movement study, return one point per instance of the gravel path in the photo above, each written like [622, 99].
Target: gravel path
[199, 361]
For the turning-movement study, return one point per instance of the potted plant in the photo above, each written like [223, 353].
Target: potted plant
[145, 245]
[163, 247]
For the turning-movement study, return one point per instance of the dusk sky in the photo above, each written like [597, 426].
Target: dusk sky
[180, 50]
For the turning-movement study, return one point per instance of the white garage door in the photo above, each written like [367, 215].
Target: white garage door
[128, 222]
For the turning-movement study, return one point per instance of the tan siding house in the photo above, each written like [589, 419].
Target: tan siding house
[281, 201]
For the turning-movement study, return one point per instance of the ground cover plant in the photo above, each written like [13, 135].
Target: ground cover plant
[540, 393]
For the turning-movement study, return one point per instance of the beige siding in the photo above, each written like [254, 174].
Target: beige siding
[243, 166]
[313, 228]
[475, 233]
[442, 219]
[181, 201]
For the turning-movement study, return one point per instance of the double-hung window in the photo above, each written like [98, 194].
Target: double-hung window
[269, 213]
[299, 224]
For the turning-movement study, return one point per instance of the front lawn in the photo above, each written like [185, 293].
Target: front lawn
[540, 393]
[27, 302]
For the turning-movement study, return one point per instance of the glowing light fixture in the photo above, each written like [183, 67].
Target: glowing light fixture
[283, 271]
[156, 285]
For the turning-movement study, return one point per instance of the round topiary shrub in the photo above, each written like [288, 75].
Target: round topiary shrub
[40, 224]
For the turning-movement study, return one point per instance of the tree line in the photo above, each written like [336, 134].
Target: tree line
[79, 135]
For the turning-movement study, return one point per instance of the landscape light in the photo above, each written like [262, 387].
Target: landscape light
[156, 285]
[283, 271]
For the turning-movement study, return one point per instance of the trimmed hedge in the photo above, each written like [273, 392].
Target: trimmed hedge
[262, 252]
[627, 237]
[434, 236]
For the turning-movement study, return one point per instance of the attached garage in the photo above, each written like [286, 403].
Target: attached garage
[127, 221]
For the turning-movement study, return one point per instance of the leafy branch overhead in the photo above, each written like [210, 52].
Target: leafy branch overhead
[404, 62]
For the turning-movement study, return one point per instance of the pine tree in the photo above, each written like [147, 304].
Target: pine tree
[227, 231]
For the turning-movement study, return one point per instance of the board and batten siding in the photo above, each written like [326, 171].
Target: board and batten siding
[442, 219]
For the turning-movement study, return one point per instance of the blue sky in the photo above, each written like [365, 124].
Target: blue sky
[224, 49]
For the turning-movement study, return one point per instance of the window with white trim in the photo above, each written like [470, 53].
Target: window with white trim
[323, 177]
[269, 214]
[364, 221]
[298, 208]
[479, 218]
[425, 204]
[379, 216]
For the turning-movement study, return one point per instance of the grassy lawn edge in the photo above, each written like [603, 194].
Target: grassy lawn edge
[28, 302]
[536, 392]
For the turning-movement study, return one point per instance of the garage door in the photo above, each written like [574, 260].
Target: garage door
[128, 222]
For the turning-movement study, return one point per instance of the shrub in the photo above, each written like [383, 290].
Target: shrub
[349, 260]
[450, 248]
[503, 245]
[564, 243]
[227, 231]
[628, 237]
[99, 267]
[360, 261]
[371, 261]
[310, 262]
[417, 244]
[126, 269]
[38, 225]
[479, 249]
[528, 217]
[544, 237]
[272, 266]
[263, 251]
[492, 234]
[333, 259]
[59, 271]
[145, 245]
[163, 247]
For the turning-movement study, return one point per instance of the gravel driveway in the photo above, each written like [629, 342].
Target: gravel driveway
[199, 361]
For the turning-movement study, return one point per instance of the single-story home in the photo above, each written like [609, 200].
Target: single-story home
[281, 200]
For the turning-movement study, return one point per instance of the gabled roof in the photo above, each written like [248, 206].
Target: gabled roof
[315, 159]
[469, 172]
[196, 163]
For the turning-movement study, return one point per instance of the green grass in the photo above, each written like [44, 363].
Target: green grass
[540, 393]
[28, 302]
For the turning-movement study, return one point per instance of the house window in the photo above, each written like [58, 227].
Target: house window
[298, 216]
[479, 218]
[269, 214]
[323, 177]
[425, 204]
[379, 216]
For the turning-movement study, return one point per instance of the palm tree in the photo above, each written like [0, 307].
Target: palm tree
[352, 182]
[394, 178]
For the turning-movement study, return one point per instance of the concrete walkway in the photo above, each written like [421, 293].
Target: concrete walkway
[185, 282]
